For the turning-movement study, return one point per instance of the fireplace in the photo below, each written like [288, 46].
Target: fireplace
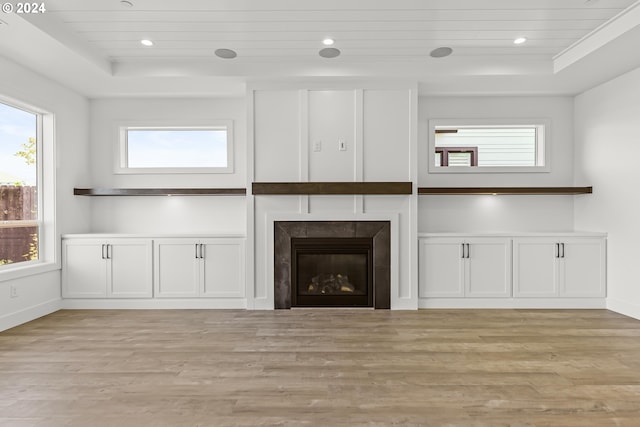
[332, 264]
[330, 272]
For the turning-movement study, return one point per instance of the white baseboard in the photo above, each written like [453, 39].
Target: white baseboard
[404, 304]
[154, 304]
[533, 303]
[12, 320]
[623, 307]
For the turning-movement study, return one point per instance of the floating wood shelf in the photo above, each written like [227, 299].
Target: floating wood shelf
[505, 190]
[331, 188]
[159, 191]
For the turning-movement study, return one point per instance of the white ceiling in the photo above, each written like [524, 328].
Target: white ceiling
[94, 46]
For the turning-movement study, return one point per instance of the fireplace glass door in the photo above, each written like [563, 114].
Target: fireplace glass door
[332, 272]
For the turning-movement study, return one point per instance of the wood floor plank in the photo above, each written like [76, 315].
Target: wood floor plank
[322, 368]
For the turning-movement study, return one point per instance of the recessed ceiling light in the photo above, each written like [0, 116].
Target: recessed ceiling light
[520, 40]
[225, 53]
[125, 3]
[441, 52]
[329, 52]
[146, 42]
[328, 41]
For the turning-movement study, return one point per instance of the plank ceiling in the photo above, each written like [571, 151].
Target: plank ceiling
[261, 30]
[94, 46]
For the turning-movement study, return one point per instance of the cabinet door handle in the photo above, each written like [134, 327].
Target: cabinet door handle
[562, 249]
[103, 255]
[557, 250]
[468, 251]
[197, 256]
[202, 250]
[463, 256]
[108, 251]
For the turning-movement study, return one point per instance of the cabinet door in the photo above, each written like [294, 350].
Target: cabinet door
[534, 268]
[84, 270]
[441, 268]
[582, 270]
[488, 267]
[130, 268]
[176, 268]
[223, 271]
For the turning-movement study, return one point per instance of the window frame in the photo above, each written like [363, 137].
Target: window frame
[48, 255]
[543, 144]
[121, 155]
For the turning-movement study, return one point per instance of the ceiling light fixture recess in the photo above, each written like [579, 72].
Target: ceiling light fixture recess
[329, 52]
[146, 42]
[520, 40]
[441, 52]
[328, 41]
[225, 53]
[125, 3]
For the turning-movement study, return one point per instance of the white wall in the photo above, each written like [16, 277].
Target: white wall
[607, 152]
[499, 213]
[165, 215]
[40, 294]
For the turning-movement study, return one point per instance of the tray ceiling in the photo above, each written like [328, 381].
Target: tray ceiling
[98, 47]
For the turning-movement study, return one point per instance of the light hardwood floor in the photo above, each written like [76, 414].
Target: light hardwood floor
[322, 367]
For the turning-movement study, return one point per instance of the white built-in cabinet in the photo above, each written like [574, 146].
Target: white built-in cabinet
[112, 266]
[455, 267]
[541, 266]
[559, 267]
[187, 268]
[107, 268]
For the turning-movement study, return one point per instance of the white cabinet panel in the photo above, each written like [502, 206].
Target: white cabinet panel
[177, 268]
[488, 267]
[113, 268]
[129, 269]
[223, 269]
[559, 267]
[583, 272]
[188, 268]
[454, 267]
[534, 268]
[441, 268]
[84, 272]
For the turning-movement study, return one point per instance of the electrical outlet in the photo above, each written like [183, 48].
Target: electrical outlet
[13, 291]
[317, 146]
[342, 144]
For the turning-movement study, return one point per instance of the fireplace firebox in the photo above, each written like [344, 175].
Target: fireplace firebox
[329, 272]
[332, 264]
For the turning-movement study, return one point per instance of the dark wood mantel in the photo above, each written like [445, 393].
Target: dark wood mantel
[331, 188]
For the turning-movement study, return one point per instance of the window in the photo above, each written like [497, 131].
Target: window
[176, 149]
[20, 179]
[471, 146]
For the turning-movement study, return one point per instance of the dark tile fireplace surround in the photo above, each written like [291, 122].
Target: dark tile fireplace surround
[357, 239]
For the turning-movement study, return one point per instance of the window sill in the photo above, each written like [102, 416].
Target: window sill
[19, 272]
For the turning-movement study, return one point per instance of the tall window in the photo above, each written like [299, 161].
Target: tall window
[20, 172]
